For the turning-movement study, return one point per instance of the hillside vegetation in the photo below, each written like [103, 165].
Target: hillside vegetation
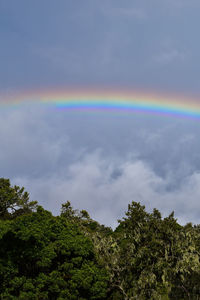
[71, 256]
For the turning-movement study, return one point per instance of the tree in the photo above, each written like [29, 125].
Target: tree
[158, 257]
[14, 201]
[72, 256]
[47, 257]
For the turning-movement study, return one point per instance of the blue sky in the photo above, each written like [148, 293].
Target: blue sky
[101, 162]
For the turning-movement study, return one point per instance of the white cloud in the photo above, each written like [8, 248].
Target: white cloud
[105, 188]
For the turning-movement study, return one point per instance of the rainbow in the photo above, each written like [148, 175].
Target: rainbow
[107, 100]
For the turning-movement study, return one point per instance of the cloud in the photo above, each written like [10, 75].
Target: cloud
[102, 162]
[30, 144]
[182, 3]
[169, 56]
[128, 12]
[60, 57]
[105, 188]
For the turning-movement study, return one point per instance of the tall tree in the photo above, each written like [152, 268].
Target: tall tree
[14, 200]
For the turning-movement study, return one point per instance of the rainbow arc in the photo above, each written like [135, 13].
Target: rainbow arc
[108, 101]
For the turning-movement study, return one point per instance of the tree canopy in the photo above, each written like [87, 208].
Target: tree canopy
[14, 201]
[71, 256]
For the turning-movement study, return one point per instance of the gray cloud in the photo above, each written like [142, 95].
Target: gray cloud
[90, 184]
[169, 56]
[100, 43]
[101, 161]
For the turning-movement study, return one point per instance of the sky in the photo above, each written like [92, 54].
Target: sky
[101, 161]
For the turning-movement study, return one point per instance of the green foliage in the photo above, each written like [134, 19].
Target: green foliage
[158, 257]
[46, 257]
[72, 256]
[14, 201]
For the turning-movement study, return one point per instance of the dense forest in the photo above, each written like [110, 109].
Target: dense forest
[71, 256]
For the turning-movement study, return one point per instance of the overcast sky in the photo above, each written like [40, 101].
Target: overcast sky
[101, 161]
